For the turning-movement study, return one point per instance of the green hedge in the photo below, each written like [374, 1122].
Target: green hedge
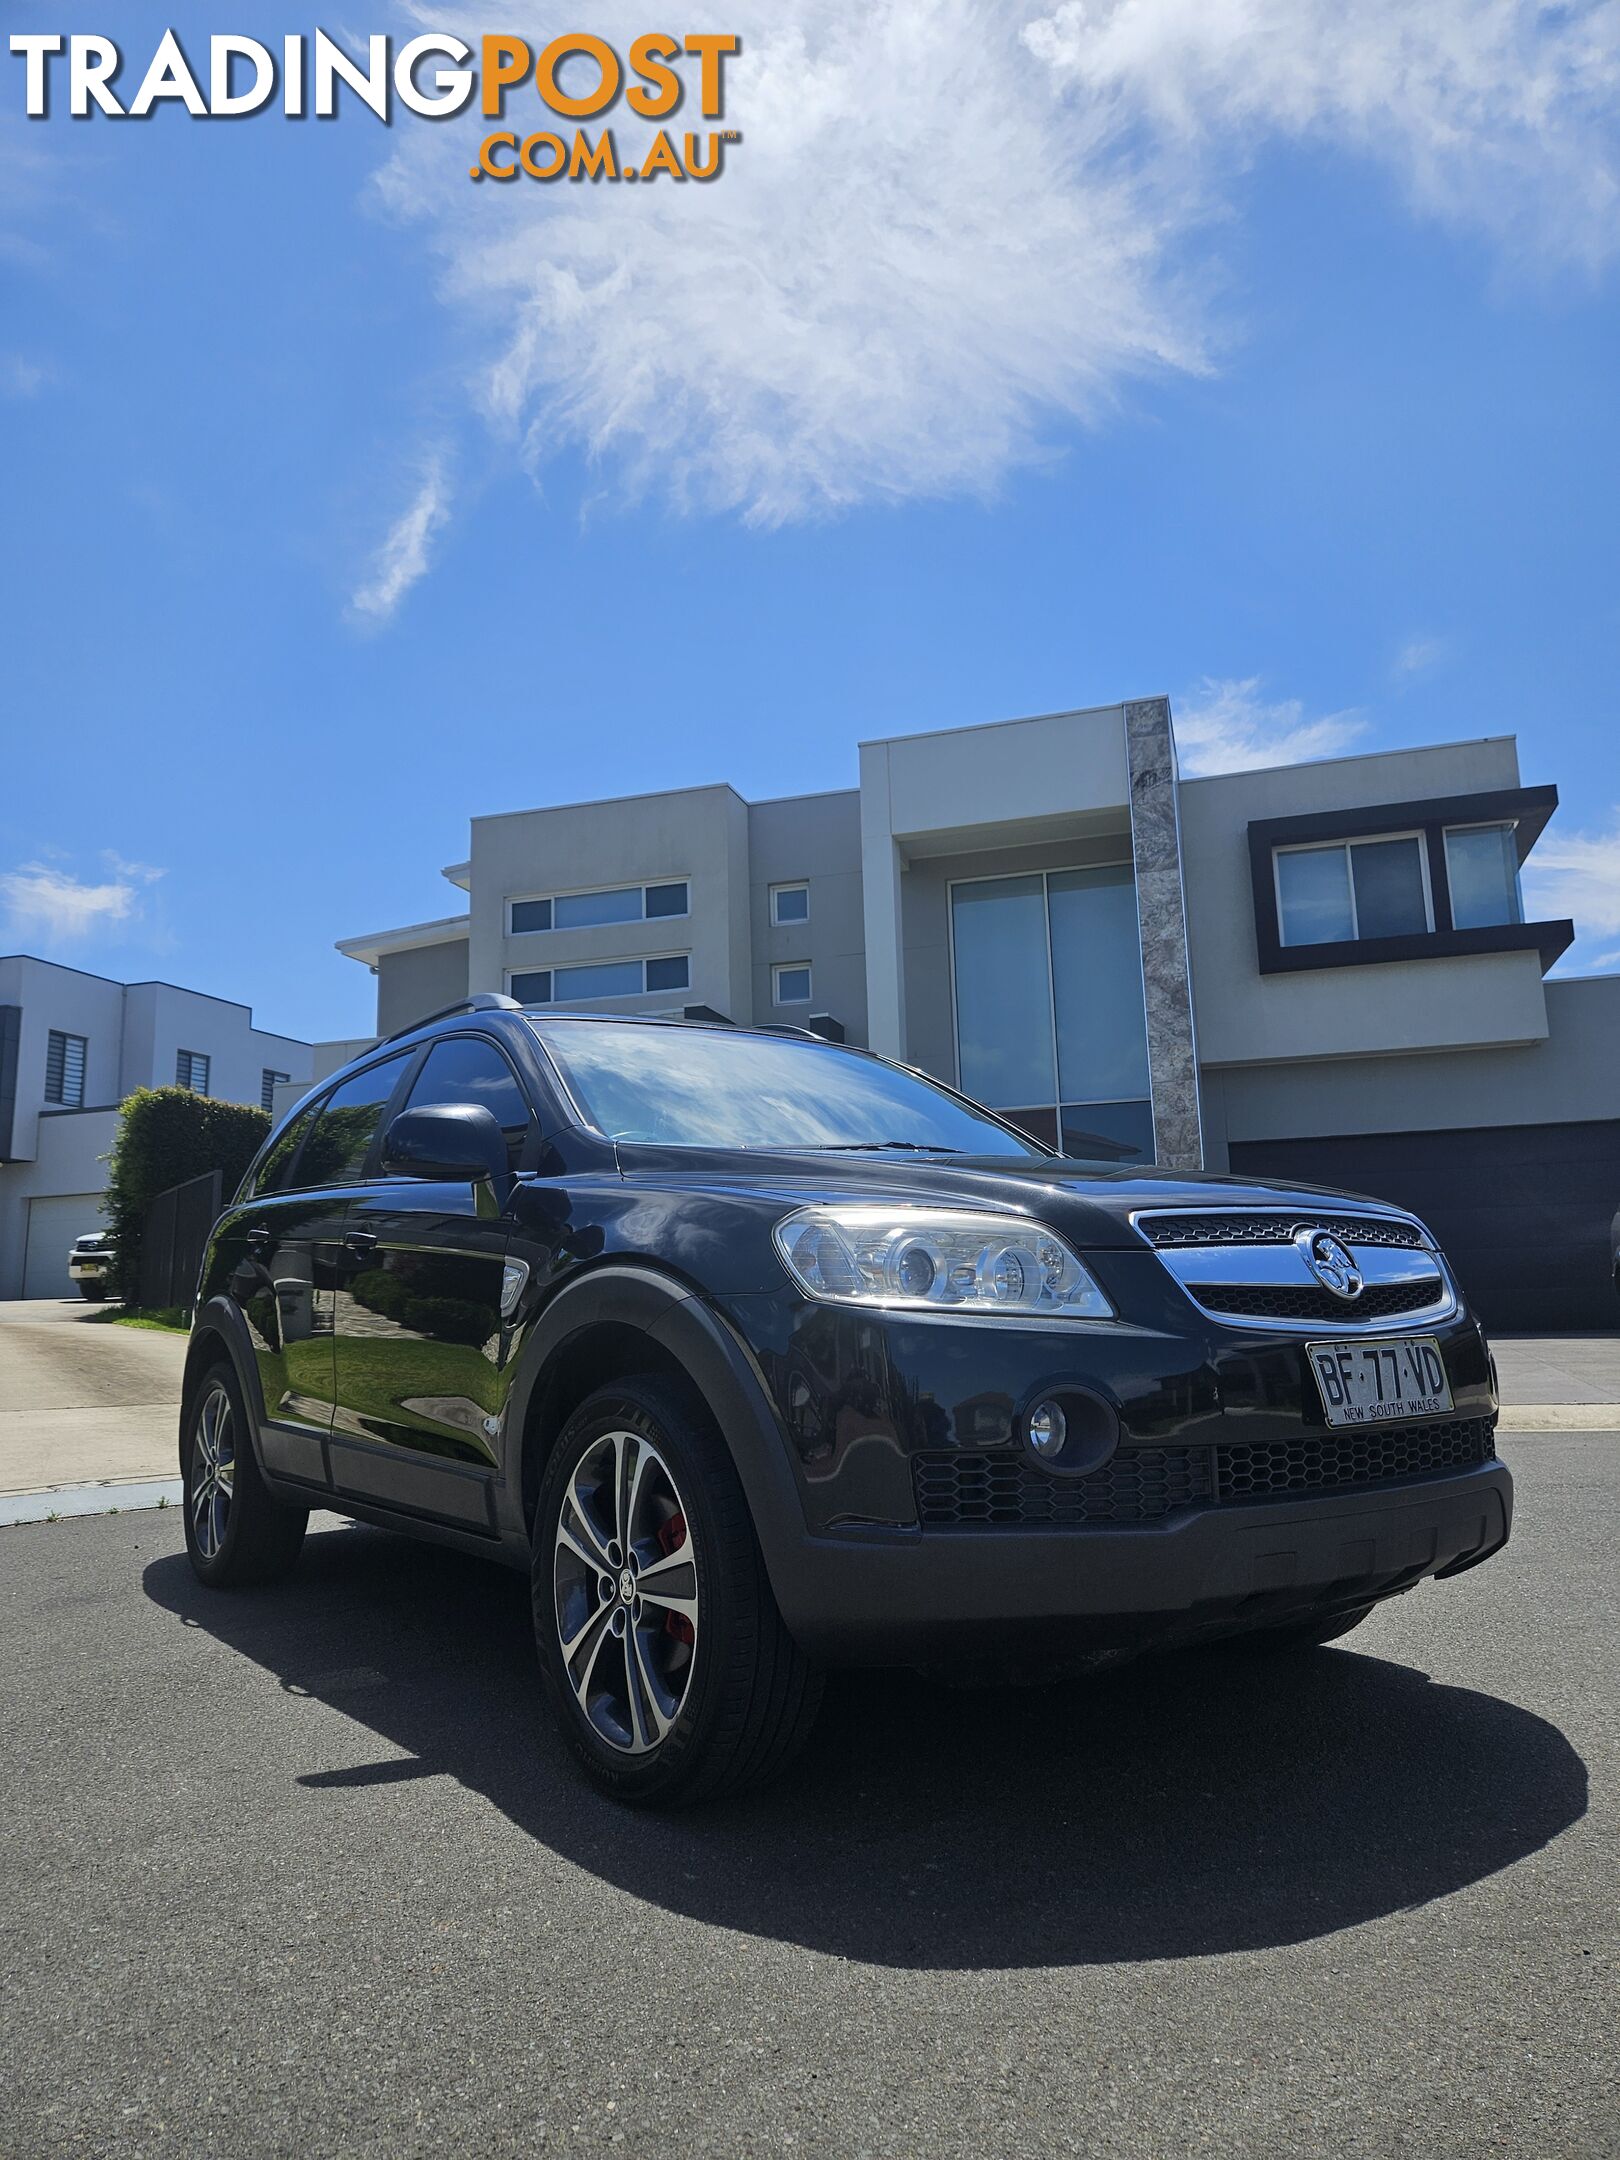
[166, 1135]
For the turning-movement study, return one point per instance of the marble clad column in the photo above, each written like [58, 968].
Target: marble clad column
[1161, 914]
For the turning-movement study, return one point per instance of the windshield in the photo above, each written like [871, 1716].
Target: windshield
[695, 1087]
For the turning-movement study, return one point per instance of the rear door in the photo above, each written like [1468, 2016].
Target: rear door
[277, 1247]
[421, 1346]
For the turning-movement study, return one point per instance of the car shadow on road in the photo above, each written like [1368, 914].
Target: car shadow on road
[1175, 1808]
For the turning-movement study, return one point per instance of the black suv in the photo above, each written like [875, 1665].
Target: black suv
[765, 1355]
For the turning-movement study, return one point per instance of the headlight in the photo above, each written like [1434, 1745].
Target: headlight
[938, 1260]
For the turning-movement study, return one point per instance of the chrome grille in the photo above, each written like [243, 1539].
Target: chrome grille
[1379, 1301]
[1219, 1228]
[1249, 1264]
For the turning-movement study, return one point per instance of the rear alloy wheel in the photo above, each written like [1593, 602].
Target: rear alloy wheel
[664, 1655]
[236, 1529]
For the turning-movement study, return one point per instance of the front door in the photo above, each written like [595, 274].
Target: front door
[421, 1372]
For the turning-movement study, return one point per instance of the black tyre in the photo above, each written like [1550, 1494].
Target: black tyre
[236, 1530]
[664, 1656]
[1302, 1634]
[92, 1292]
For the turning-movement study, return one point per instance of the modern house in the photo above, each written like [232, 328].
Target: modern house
[1321, 971]
[72, 1046]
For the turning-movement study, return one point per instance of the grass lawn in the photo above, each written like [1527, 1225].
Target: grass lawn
[166, 1319]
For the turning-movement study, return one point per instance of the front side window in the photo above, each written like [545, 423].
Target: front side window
[191, 1071]
[600, 979]
[693, 1087]
[467, 1069]
[64, 1069]
[346, 1123]
[1482, 869]
[590, 910]
[1351, 889]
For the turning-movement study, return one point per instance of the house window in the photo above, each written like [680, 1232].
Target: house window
[1051, 1022]
[600, 979]
[790, 903]
[790, 985]
[64, 1070]
[590, 910]
[268, 1083]
[191, 1071]
[1353, 889]
[1482, 869]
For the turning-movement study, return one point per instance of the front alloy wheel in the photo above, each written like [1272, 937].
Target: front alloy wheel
[625, 1575]
[663, 1653]
[213, 1471]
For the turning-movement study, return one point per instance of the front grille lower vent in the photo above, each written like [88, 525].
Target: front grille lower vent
[1376, 1455]
[1238, 1229]
[1378, 1301]
[1140, 1485]
[1137, 1485]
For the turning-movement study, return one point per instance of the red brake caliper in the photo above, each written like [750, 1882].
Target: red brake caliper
[671, 1537]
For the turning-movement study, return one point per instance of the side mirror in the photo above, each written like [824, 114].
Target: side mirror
[452, 1141]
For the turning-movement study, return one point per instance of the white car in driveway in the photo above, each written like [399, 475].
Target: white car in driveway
[90, 1264]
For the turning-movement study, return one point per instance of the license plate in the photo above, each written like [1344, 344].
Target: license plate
[1373, 1383]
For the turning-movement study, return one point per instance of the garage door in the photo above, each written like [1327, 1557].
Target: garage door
[1523, 1211]
[53, 1224]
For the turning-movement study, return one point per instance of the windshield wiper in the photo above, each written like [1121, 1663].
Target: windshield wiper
[862, 1147]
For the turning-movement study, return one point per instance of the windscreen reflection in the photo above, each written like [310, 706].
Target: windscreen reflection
[691, 1087]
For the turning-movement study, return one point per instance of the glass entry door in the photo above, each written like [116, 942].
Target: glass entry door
[1051, 1025]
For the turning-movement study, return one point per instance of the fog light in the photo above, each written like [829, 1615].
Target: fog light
[1048, 1429]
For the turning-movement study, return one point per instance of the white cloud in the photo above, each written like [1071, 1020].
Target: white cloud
[405, 553]
[142, 873]
[953, 223]
[1418, 654]
[21, 377]
[1227, 726]
[1492, 113]
[1577, 874]
[42, 900]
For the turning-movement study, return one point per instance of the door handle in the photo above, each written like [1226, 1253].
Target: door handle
[258, 1238]
[360, 1241]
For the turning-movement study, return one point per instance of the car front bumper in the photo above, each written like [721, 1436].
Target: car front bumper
[942, 1596]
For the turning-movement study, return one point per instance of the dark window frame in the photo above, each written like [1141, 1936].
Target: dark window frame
[1526, 809]
[65, 1036]
[548, 900]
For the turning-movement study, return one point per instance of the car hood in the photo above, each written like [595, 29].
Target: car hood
[1085, 1200]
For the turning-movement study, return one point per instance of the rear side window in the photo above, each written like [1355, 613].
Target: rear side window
[276, 1168]
[466, 1069]
[346, 1124]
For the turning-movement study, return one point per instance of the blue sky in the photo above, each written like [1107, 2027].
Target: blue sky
[332, 515]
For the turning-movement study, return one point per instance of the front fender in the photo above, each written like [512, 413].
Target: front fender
[716, 1362]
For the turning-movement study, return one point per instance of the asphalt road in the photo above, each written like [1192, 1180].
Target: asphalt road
[303, 1872]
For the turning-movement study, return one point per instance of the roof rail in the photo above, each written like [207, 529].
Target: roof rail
[480, 1001]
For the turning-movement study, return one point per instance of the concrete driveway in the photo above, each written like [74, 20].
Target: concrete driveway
[83, 1400]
